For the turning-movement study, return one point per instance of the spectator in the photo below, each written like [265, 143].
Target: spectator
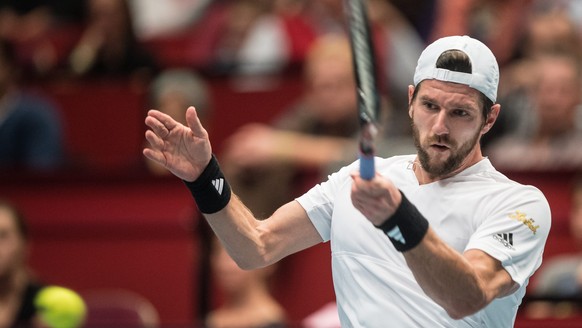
[546, 30]
[552, 141]
[311, 134]
[18, 287]
[160, 19]
[561, 276]
[247, 301]
[419, 13]
[172, 92]
[42, 31]
[30, 129]
[326, 16]
[108, 46]
[397, 45]
[315, 135]
[497, 23]
[253, 40]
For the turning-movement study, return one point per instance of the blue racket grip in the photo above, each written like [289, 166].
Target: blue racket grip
[367, 169]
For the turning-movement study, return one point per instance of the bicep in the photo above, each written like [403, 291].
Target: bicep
[287, 231]
[495, 280]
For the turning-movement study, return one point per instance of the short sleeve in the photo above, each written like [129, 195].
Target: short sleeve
[319, 201]
[515, 231]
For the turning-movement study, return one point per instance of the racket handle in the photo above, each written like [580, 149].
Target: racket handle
[367, 170]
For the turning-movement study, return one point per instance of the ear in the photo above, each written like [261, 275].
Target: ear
[491, 118]
[410, 93]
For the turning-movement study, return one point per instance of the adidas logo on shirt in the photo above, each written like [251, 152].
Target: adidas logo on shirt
[505, 238]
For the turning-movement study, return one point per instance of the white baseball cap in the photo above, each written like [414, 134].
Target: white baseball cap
[485, 70]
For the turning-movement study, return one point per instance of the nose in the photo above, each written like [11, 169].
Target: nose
[440, 126]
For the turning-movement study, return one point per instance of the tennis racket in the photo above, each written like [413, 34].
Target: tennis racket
[366, 82]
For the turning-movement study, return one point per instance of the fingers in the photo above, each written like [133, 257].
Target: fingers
[155, 156]
[155, 151]
[375, 210]
[164, 119]
[155, 137]
[162, 123]
[154, 140]
[376, 187]
[157, 125]
[376, 199]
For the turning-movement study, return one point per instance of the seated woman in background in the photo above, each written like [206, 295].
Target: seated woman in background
[247, 300]
[17, 286]
[561, 276]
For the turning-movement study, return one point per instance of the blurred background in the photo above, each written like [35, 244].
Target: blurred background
[273, 84]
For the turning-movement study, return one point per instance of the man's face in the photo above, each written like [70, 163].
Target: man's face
[557, 94]
[12, 244]
[447, 123]
[331, 92]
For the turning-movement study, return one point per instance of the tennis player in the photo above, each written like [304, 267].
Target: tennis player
[435, 239]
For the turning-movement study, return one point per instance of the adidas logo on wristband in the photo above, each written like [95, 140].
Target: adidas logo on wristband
[210, 190]
[406, 227]
[396, 235]
[218, 185]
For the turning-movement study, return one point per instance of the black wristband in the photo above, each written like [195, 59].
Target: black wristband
[211, 190]
[406, 227]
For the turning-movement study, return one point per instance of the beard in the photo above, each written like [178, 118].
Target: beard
[459, 153]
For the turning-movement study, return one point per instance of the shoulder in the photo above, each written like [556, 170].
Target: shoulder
[494, 182]
[507, 193]
[494, 192]
[525, 205]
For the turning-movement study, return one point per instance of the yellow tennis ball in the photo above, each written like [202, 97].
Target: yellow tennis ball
[60, 307]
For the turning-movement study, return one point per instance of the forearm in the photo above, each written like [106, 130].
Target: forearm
[239, 232]
[447, 277]
[256, 243]
[461, 283]
[252, 243]
[233, 223]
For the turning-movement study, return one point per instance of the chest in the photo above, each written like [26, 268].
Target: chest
[453, 212]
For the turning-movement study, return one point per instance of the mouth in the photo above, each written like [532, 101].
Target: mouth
[439, 147]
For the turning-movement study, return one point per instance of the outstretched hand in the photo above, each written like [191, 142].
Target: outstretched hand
[183, 150]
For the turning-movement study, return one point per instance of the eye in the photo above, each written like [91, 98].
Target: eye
[429, 105]
[460, 113]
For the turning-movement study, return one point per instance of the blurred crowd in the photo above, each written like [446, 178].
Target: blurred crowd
[174, 48]
[537, 43]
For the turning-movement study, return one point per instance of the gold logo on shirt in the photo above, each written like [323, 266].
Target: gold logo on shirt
[521, 217]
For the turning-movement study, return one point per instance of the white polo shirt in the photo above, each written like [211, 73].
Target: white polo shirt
[478, 208]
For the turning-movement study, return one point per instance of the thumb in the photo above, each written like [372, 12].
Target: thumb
[194, 122]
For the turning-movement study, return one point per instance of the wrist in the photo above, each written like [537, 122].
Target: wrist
[406, 227]
[210, 190]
